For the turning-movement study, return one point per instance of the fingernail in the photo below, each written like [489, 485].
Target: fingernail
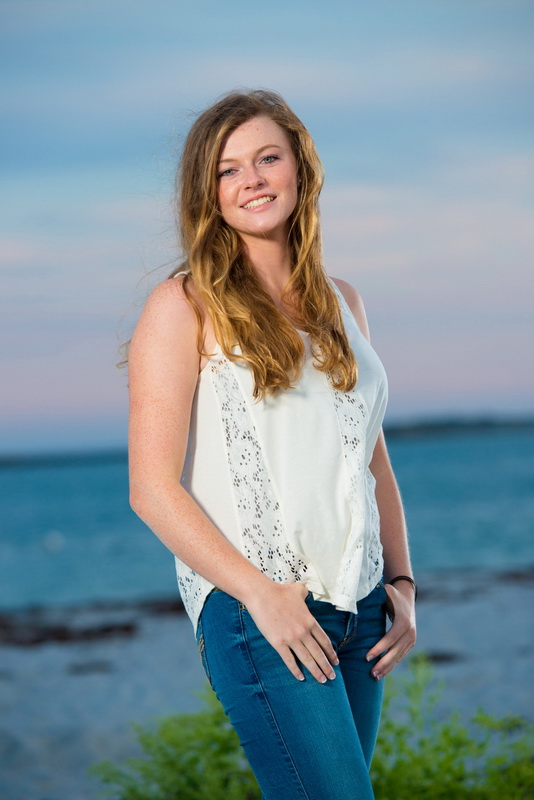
[368, 657]
[322, 679]
[336, 661]
[332, 675]
[300, 677]
[376, 675]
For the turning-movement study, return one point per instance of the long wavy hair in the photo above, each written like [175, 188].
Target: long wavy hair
[241, 310]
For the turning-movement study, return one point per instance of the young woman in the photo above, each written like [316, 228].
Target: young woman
[257, 457]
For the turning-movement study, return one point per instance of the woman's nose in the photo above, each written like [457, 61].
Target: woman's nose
[252, 177]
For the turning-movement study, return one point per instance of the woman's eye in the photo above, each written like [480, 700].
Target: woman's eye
[226, 172]
[270, 159]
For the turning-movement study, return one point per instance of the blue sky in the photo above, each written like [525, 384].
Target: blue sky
[422, 114]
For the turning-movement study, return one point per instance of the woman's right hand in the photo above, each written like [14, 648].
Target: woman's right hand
[282, 616]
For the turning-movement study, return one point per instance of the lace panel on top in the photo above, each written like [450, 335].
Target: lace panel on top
[263, 537]
[374, 544]
[352, 419]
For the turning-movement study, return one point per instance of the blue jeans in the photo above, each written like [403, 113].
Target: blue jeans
[303, 739]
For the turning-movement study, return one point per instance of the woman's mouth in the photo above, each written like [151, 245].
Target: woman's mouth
[259, 202]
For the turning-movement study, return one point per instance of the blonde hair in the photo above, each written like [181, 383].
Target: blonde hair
[241, 311]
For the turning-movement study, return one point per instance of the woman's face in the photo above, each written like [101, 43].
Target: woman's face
[257, 180]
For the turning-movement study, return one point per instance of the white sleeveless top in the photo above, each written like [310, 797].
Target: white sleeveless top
[287, 479]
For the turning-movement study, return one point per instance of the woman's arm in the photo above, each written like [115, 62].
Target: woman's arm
[400, 638]
[163, 373]
[401, 597]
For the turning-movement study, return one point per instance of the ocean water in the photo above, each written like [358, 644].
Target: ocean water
[68, 535]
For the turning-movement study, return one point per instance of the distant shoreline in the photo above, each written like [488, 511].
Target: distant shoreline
[445, 425]
[108, 619]
[421, 429]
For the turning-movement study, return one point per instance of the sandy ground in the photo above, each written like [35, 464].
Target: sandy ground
[67, 701]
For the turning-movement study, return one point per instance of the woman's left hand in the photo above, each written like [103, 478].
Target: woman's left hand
[400, 638]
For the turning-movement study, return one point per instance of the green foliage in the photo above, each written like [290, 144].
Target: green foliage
[198, 756]
[418, 756]
[189, 757]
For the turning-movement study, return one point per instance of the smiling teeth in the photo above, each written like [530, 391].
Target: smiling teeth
[259, 202]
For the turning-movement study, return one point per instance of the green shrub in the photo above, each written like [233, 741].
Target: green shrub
[189, 757]
[418, 756]
[198, 756]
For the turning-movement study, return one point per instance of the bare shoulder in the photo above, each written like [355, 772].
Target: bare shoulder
[169, 297]
[163, 365]
[166, 333]
[355, 303]
[167, 313]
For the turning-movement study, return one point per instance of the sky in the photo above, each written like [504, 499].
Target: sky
[422, 114]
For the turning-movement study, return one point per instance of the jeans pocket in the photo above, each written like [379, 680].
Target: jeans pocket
[201, 645]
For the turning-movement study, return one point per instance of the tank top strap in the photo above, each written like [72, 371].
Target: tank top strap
[342, 302]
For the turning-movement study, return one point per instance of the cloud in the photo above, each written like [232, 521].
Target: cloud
[462, 238]
[445, 270]
[170, 79]
[81, 58]
[77, 257]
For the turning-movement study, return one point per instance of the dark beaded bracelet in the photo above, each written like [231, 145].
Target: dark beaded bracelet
[405, 578]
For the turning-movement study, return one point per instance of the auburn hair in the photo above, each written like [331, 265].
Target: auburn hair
[241, 311]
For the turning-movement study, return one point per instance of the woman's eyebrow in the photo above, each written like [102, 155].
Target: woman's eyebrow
[264, 147]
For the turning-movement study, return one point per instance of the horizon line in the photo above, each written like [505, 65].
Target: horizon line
[421, 428]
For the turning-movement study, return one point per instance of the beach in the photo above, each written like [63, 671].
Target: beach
[72, 680]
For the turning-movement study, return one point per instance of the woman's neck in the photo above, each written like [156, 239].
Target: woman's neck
[272, 264]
